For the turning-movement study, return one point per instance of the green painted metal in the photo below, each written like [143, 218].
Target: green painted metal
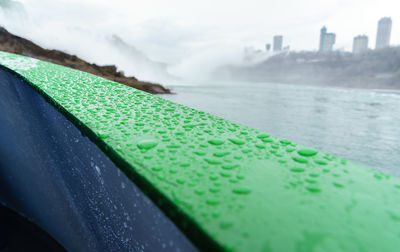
[226, 185]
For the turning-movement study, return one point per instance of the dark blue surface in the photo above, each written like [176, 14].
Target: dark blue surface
[64, 183]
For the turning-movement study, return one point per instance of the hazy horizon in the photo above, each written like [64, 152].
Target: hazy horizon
[192, 37]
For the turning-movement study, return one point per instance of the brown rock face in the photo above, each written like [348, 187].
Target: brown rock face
[18, 45]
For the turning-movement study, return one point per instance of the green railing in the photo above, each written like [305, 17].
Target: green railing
[227, 186]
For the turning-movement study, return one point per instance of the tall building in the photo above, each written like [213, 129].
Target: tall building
[360, 44]
[384, 31]
[278, 41]
[326, 41]
[268, 47]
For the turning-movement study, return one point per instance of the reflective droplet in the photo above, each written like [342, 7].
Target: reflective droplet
[320, 162]
[180, 181]
[221, 154]
[225, 225]
[297, 169]
[230, 166]
[300, 160]
[103, 135]
[214, 189]
[236, 141]
[147, 144]
[260, 146]
[157, 168]
[212, 161]
[261, 136]
[241, 190]
[338, 185]
[285, 142]
[215, 142]
[307, 152]
[313, 189]
[199, 191]
[212, 202]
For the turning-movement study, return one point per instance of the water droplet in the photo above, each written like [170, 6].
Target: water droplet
[285, 142]
[212, 161]
[241, 190]
[173, 146]
[147, 144]
[236, 141]
[297, 169]
[230, 166]
[225, 224]
[300, 160]
[307, 152]
[180, 181]
[320, 162]
[157, 168]
[240, 176]
[212, 202]
[215, 142]
[199, 191]
[225, 174]
[213, 177]
[221, 154]
[260, 146]
[261, 136]
[313, 189]
[338, 185]
[311, 181]
[394, 216]
[103, 136]
[214, 189]
[267, 140]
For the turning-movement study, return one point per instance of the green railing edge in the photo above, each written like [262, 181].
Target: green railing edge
[189, 227]
[197, 236]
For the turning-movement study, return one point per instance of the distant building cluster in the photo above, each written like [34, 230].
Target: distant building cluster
[360, 42]
[277, 45]
[327, 41]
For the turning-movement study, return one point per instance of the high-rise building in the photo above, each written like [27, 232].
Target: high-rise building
[278, 41]
[326, 41]
[360, 44]
[268, 47]
[384, 31]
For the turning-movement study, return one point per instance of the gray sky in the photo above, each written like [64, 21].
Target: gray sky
[187, 33]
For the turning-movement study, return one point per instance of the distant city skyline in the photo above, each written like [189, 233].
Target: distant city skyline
[198, 34]
[360, 42]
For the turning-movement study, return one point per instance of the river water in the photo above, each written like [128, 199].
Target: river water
[362, 125]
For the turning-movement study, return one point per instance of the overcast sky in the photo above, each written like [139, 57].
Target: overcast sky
[177, 31]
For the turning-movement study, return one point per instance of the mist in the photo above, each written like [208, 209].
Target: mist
[184, 40]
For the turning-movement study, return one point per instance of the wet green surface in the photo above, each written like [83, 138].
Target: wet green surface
[226, 185]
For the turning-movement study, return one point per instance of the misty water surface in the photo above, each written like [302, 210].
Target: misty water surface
[361, 125]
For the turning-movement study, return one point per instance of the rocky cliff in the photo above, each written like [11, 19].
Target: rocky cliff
[18, 45]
